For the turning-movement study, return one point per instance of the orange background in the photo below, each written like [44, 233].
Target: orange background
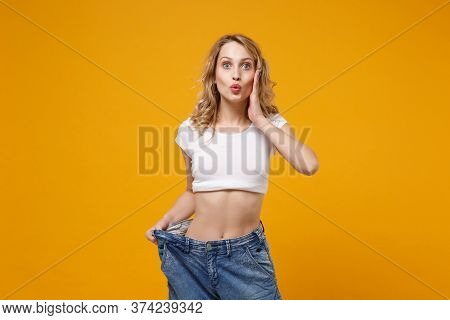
[369, 80]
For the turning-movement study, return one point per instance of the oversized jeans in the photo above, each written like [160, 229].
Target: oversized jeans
[231, 269]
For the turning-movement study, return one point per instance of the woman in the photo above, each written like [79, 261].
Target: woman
[227, 142]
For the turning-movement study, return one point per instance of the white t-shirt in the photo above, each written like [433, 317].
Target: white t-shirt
[230, 160]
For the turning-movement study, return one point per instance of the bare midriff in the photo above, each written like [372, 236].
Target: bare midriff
[225, 214]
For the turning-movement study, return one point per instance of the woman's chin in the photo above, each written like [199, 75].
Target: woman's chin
[236, 97]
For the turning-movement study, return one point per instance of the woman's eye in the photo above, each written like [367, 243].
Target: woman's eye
[249, 66]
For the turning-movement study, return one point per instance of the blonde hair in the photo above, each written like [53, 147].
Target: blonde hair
[206, 109]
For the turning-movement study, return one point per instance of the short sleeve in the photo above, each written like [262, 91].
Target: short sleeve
[184, 136]
[278, 121]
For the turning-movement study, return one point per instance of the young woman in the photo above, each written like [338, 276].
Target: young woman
[227, 142]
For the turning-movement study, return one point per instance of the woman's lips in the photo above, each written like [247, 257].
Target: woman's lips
[235, 89]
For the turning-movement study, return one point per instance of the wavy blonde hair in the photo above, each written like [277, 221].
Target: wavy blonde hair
[205, 112]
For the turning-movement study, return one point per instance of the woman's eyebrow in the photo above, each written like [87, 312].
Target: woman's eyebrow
[232, 59]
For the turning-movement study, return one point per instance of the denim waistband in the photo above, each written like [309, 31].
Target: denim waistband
[187, 243]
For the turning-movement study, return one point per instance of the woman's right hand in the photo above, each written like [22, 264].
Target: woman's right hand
[160, 225]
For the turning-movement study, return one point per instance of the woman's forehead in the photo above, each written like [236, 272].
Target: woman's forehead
[234, 51]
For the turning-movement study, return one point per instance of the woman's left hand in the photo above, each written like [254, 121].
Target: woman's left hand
[254, 109]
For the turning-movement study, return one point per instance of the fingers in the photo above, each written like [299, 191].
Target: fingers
[149, 235]
[256, 77]
[256, 80]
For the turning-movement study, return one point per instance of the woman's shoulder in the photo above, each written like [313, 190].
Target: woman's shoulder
[186, 123]
[187, 128]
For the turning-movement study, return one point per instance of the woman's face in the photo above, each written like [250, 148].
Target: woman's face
[234, 66]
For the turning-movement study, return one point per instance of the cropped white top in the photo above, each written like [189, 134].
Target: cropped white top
[230, 160]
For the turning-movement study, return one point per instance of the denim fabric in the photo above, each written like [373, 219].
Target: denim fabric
[231, 269]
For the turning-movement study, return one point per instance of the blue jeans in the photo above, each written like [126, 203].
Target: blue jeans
[231, 269]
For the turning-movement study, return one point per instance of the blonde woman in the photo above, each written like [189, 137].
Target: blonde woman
[227, 142]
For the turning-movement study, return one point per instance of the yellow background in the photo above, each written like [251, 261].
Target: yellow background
[78, 79]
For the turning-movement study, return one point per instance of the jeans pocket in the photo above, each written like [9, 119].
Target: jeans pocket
[261, 259]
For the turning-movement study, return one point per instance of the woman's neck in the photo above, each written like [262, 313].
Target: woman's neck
[232, 114]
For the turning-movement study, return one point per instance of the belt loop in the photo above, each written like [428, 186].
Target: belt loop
[260, 232]
[228, 247]
[186, 248]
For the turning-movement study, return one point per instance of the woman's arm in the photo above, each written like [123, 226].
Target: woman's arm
[184, 206]
[299, 155]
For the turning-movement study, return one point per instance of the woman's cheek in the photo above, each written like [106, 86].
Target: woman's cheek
[249, 89]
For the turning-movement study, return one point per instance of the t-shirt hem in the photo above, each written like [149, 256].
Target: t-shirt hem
[196, 188]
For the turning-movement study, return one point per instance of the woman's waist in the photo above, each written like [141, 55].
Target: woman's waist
[225, 214]
[177, 235]
[228, 200]
[222, 223]
[207, 227]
